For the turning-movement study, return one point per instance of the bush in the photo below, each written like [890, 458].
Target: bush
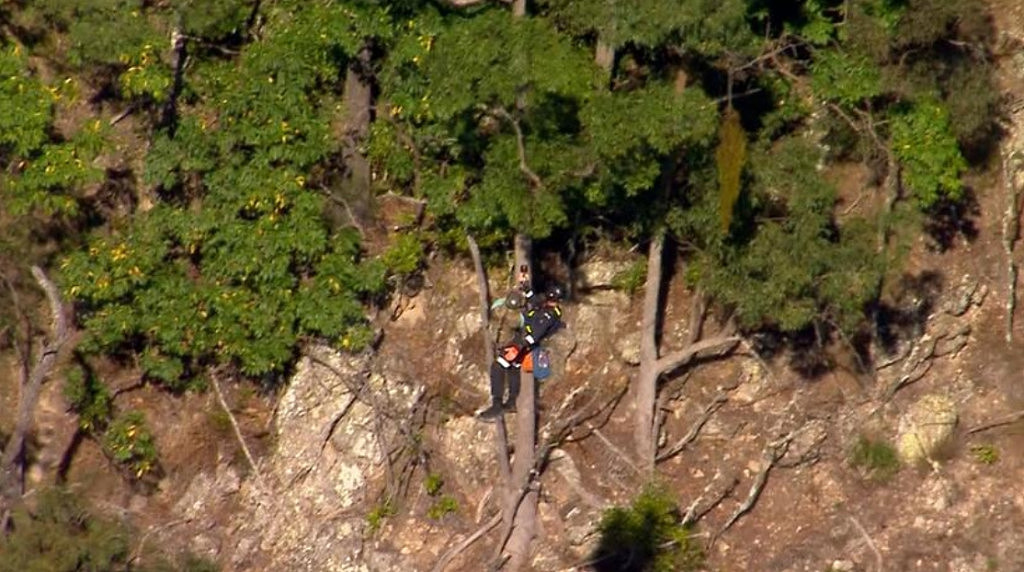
[88, 397]
[631, 279]
[985, 454]
[60, 535]
[877, 459]
[129, 442]
[646, 536]
[443, 507]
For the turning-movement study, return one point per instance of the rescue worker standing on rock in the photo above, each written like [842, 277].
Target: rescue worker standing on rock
[541, 317]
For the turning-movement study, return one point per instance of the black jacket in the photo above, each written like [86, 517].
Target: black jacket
[540, 323]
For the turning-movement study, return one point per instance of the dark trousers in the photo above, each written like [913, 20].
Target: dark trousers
[501, 377]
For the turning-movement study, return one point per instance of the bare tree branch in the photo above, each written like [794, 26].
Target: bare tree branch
[238, 432]
[524, 167]
[719, 345]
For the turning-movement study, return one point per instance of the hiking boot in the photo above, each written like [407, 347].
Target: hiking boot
[491, 413]
[509, 407]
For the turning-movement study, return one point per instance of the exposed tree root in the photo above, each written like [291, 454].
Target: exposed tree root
[462, 546]
[709, 410]
[771, 455]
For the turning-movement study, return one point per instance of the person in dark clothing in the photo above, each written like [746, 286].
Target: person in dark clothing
[541, 318]
[505, 372]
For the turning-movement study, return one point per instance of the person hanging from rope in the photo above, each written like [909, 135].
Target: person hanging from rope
[543, 315]
[541, 318]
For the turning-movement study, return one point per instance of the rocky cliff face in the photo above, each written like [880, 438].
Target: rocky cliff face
[318, 502]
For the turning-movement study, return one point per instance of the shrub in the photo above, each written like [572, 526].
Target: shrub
[877, 459]
[88, 397]
[443, 507]
[631, 279]
[646, 536]
[985, 454]
[130, 443]
[375, 518]
[61, 535]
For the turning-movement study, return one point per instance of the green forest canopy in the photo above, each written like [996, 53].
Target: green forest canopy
[177, 160]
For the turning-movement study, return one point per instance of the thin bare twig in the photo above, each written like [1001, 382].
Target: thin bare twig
[524, 167]
[462, 546]
[867, 538]
[238, 431]
[1000, 422]
[615, 449]
[142, 543]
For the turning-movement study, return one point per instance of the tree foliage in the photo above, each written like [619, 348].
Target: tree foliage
[498, 124]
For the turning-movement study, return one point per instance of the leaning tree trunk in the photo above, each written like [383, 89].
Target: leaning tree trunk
[12, 462]
[521, 501]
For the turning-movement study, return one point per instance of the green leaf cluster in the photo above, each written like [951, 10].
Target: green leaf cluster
[129, 442]
[236, 264]
[799, 267]
[924, 143]
[43, 170]
[60, 535]
[647, 536]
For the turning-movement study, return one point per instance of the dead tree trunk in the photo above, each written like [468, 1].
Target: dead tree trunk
[523, 508]
[652, 367]
[500, 433]
[12, 463]
[169, 113]
[356, 191]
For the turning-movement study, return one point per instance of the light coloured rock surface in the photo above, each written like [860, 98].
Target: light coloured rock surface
[307, 515]
[599, 273]
[925, 427]
[467, 444]
[628, 347]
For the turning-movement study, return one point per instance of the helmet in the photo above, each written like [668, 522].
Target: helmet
[555, 292]
[515, 300]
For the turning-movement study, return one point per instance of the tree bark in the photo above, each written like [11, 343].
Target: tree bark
[12, 463]
[652, 367]
[179, 53]
[525, 514]
[646, 391]
[356, 186]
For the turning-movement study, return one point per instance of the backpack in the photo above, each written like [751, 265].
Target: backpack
[541, 364]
